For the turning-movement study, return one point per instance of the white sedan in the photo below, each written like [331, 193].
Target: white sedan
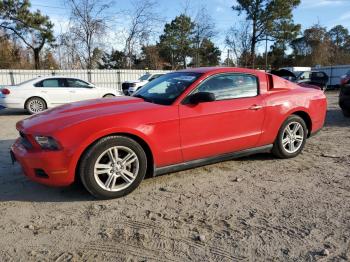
[39, 94]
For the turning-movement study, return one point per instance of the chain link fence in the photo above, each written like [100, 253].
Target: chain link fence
[102, 78]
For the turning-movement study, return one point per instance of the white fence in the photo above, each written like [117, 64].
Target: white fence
[103, 78]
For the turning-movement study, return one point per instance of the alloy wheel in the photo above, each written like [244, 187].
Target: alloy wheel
[116, 168]
[292, 137]
[36, 106]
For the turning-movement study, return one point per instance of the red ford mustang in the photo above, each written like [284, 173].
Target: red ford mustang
[180, 120]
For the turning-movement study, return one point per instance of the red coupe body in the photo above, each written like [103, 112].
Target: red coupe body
[170, 134]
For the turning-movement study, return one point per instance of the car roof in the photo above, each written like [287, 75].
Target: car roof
[205, 70]
[59, 76]
[40, 78]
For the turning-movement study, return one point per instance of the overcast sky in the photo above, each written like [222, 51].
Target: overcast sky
[326, 12]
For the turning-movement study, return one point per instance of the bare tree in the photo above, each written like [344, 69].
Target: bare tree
[87, 27]
[238, 39]
[186, 7]
[69, 52]
[204, 29]
[142, 26]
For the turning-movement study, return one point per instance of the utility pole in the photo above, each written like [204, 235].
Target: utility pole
[266, 54]
[228, 57]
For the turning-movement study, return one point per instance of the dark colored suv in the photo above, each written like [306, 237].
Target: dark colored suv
[316, 78]
[344, 94]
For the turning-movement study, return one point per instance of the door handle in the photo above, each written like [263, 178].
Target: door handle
[255, 107]
[71, 91]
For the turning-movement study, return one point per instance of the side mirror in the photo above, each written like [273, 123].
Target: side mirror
[200, 97]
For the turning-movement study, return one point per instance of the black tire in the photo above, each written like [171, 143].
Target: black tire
[346, 113]
[278, 149]
[35, 105]
[108, 96]
[87, 166]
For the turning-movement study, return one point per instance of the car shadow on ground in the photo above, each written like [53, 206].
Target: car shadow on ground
[335, 118]
[13, 112]
[14, 186]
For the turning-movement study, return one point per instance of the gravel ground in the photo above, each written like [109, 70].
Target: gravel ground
[255, 208]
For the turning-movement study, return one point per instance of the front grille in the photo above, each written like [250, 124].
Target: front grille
[40, 173]
[25, 141]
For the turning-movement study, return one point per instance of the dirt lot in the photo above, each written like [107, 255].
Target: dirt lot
[256, 208]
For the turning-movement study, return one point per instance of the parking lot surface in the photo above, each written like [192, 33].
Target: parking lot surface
[254, 208]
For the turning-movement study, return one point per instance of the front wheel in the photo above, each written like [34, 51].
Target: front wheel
[291, 138]
[113, 167]
[35, 105]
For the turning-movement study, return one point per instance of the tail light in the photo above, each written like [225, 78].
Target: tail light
[5, 91]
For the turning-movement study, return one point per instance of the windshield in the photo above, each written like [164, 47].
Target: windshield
[165, 89]
[144, 77]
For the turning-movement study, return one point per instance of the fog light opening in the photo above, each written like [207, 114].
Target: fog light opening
[40, 173]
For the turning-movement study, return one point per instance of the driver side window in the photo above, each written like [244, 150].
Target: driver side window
[230, 86]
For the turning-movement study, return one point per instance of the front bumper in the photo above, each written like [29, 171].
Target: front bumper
[45, 167]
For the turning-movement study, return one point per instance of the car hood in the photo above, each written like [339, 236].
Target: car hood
[134, 82]
[70, 114]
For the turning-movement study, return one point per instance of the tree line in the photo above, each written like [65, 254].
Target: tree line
[28, 39]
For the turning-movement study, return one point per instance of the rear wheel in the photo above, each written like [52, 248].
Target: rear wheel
[113, 167]
[35, 105]
[291, 138]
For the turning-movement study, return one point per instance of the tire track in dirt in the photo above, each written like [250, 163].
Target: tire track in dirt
[130, 239]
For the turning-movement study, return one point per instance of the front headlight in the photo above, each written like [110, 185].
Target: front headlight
[47, 142]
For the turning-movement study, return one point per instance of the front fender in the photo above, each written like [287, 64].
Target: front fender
[95, 136]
